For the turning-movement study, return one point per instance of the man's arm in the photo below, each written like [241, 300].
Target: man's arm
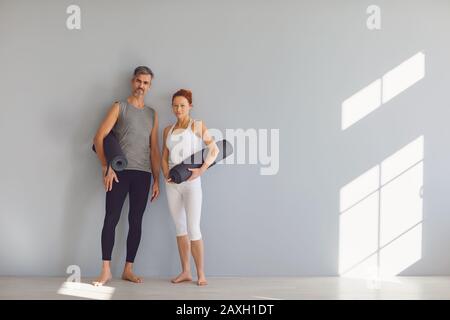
[155, 157]
[104, 129]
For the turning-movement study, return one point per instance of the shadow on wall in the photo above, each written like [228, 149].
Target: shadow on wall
[381, 211]
[381, 216]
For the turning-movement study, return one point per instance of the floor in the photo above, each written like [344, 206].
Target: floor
[230, 288]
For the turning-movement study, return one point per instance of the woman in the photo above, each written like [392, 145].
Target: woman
[181, 140]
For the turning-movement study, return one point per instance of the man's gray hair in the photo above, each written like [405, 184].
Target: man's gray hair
[143, 70]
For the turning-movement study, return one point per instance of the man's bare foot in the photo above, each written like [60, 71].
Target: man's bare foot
[182, 277]
[105, 276]
[202, 281]
[130, 276]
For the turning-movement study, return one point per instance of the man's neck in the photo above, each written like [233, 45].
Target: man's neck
[135, 101]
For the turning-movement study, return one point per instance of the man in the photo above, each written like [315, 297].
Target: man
[135, 126]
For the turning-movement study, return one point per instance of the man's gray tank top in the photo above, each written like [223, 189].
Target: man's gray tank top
[132, 129]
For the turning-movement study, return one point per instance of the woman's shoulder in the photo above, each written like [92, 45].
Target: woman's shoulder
[197, 122]
[197, 126]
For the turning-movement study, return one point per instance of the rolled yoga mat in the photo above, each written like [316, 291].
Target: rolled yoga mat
[113, 153]
[180, 172]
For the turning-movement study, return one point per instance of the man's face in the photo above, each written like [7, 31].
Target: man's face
[140, 84]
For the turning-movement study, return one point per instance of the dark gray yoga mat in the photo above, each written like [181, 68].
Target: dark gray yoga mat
[180, 172]
[113, 153]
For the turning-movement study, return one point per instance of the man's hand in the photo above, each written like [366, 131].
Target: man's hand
[155, 191]
[109, 178]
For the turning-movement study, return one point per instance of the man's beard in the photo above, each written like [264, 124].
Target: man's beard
[138, 92]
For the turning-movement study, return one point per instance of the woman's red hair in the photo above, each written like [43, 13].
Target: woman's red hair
[183, 93]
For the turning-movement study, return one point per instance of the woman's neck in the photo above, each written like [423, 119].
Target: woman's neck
[182, 123]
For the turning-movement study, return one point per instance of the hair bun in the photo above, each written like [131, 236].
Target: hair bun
[183, 93]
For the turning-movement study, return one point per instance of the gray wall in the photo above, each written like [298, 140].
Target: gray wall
[253, 64]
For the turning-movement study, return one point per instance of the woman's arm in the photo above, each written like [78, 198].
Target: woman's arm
[213, 151]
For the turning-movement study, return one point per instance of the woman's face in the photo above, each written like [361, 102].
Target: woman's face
[181, 107]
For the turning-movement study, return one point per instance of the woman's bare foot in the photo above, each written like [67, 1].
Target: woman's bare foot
[128, 275]
[182, 277]
[105, 276]
[202, 281]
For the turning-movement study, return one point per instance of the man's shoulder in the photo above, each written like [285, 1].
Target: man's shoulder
[151, 107]
[119, 103]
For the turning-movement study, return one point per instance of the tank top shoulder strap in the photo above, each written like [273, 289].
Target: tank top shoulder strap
[122, 104]
[193, 122]
[122, 107]
[171, 129]
[198, 138]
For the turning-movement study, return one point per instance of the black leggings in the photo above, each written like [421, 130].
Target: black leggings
[137, 183]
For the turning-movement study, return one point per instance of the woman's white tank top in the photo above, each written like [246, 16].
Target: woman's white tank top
[182, 145]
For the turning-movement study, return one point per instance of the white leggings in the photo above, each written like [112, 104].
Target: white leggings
[185, 205]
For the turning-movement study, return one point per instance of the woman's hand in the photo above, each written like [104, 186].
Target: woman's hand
[168, 180]
[196, 172]
[155, 191]
[109, 178]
